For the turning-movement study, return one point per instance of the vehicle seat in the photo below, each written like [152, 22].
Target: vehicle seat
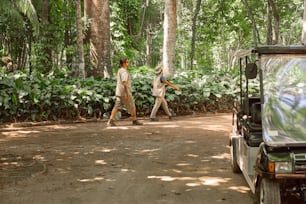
[253, 125]
[256, 113]
[248, 103]
[254, 139]
[252, 108]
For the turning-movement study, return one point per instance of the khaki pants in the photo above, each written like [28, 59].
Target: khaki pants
[129, 104]
[160, 101]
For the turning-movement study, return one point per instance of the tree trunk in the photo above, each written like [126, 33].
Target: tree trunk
[142, 28]
[304, 25]
[46, 63]
[194, 31]
[256, 37]
[81, 70]
[30, 54]
[146, 32]
[148, 47]
[269, 25]
[99, 36]
[276, 22]
[169, 37]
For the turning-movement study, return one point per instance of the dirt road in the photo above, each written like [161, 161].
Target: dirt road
[185, 160]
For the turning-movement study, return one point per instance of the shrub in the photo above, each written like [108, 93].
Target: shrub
[41, 97]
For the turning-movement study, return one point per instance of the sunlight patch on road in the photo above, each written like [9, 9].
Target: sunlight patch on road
[170, 126]
[148, 150]
[192, 155]
[100, 162]
[171, 178]
[177, 171]
[221, 156]
[39, 157]
[13, 131]
[190, 142]
[241, 189]
[105, 150]
[195, 184]
[183, 164]
[124, 127]
[127, 170]
[17, 134]
[63, 171]
[91, 179]
[194, 181]
[118, 127]
[213, 181]
[206, 127]
[214, 127]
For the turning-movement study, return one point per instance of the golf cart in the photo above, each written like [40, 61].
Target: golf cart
[268, 137]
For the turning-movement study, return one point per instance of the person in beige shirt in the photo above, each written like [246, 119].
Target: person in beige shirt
[124, 94]
[159, 91]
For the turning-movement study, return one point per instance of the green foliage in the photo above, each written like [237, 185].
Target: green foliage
[223, 27]
[46, 97]
[14, 30]
[41, 97]
[124, 19]
[137, 31]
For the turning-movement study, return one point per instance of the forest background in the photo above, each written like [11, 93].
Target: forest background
[59, 57]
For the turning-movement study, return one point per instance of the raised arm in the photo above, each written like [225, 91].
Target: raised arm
[171, 85]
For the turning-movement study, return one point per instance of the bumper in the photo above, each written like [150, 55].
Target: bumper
[290, 176]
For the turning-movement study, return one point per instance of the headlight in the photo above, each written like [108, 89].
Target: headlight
[283, 167]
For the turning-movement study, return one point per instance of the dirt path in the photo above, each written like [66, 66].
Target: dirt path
[185, 160]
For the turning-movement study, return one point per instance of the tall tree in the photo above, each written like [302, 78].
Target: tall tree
[269, 35]
[81, 70]
[194, 31]
[45, 36]
[98, 13]
[256, 37]
[151, 27]
[273, 34]
[304, 25]
[169, 37]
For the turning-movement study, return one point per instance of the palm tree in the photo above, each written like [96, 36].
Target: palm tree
[27, 8]
[15, 39]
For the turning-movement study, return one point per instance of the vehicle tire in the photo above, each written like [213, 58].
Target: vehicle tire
[234, 163]
[268, 192]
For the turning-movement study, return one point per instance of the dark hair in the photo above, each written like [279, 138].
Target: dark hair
[122, 61]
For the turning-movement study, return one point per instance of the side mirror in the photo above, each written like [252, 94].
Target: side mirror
[251, 71]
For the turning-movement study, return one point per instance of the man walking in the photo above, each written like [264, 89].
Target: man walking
[124, 94]
[159, 91]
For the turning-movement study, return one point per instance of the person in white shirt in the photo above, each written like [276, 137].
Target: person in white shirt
[123, 94]
[159, 91]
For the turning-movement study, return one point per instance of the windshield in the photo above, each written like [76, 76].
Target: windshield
[284, 108]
